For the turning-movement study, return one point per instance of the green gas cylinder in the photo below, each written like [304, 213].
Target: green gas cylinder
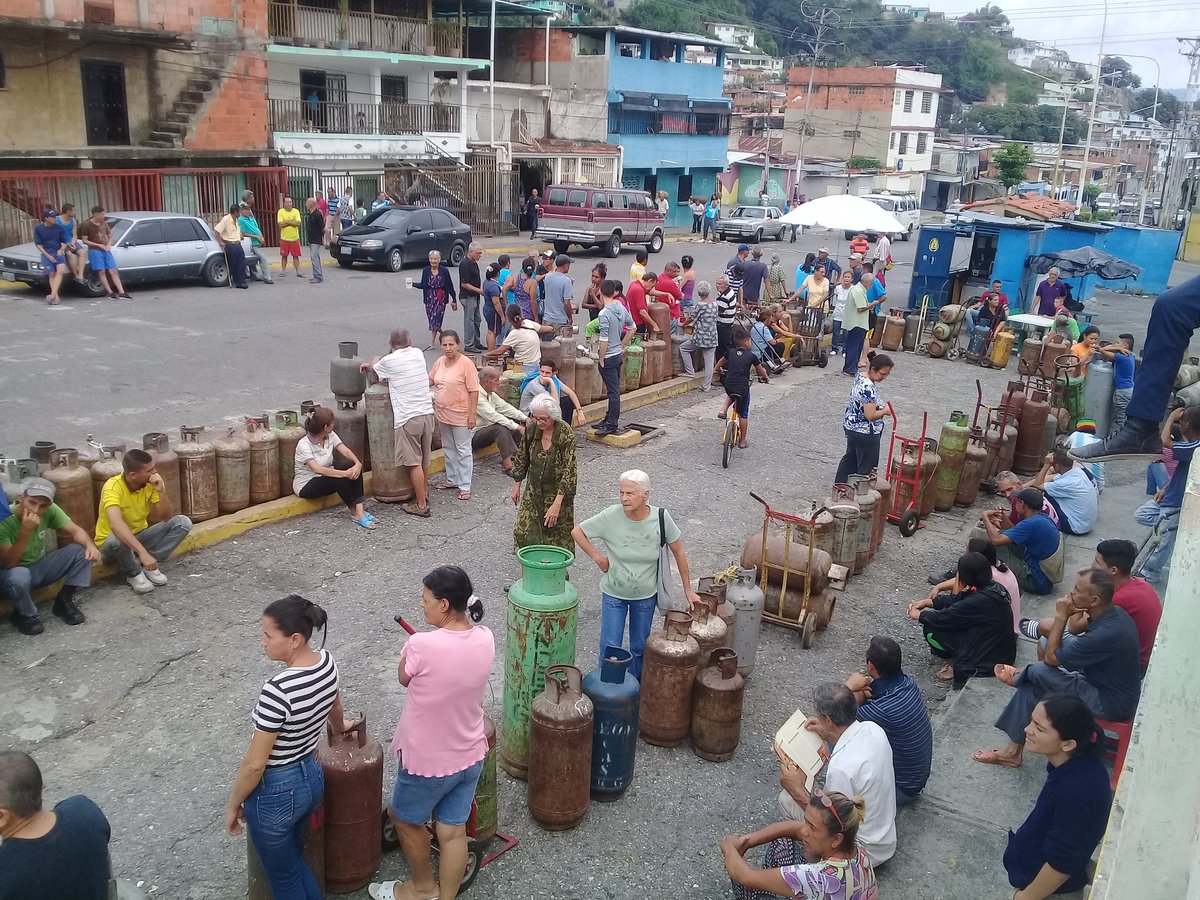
[635, 363]
[543, 609]
[955, 434]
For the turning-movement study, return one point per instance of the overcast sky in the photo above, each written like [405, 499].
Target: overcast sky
[1148, 28]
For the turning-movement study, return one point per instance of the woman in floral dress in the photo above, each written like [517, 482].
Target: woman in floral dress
[436, 286]
[776, 289]
[545, 463]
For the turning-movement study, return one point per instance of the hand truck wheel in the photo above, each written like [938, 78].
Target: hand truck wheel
[909, 522]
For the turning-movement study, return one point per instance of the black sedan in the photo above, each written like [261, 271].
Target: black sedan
[395, 236]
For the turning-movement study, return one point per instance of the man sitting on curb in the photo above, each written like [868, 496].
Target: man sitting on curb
[547, 382]
[860, 764]
[27, 566]
[893, 701]
[497, 421]
[1091, 652]
[1008, 484]
[1071, 491]
[1033, 548]
[129, 502]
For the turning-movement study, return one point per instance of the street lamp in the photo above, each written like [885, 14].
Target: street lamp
[1087, 146]
[1154, 116]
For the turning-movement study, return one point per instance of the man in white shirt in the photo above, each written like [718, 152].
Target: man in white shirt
[860, 765]
[497, 421]
[1070, 490]
[404, 372]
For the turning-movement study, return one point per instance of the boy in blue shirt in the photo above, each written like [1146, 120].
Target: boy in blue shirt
[1120, 355]
[736, 367]
[1162, 513]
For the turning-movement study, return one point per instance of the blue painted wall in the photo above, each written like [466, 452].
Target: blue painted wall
[692, 80]
[672, 151]
[1153, 249]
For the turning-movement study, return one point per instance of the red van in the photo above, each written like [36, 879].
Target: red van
[590, 216]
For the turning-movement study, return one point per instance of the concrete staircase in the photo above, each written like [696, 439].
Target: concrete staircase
[169, 131]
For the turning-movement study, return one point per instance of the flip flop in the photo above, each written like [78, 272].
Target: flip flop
[386, 890]
[447, 486]
[464, 495]
[945, 673]
[366, 522]
[1007, 674]
[993, 758]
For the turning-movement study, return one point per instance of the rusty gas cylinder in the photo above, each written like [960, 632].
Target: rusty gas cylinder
[1056, 346]
[587, 380]
[233, 472]
[390, 483]
[822, 520]
[197, 475]
[264, 460]
[108, 465]
[973, 468]
[73, 488]
[717, 707]
[715, 595]
[43, 451]
[352, 764]
[668, 671]
[350, 424]
[707, 628]
[954, 454]
[1029, 360]
[931, 462]
[867, 498]
[793, 557]
[844, 509]
[487, 799]
[1028, 457]
[882, 508]
[289, 432]
[560, 751]
[166, 463]
[566, 365]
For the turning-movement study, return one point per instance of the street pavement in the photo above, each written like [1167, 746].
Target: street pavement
[146, 708]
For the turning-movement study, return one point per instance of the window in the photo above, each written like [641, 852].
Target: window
[144, 234]
[577, 199]
[105, 114]
[892, 142]
[922, 142]
[421, 220]
[180, 231]
[557, 197]
[599, 201]
[926, 102]
[683, 192]
[393, 89]
[857, 90]
[903, 143]
[898, 98]
[441, 219]
[908, 101]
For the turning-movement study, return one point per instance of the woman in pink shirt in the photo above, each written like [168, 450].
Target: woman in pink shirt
[439, 742]
[455, 386]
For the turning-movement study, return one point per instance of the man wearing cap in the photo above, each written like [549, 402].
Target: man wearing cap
[1033, 548]
[50, 238]
[856, 268]
[97, 234]
[558, 308]
[249, 227]
[129, 502]
[25, 565]
[832, 270]
[743, 253]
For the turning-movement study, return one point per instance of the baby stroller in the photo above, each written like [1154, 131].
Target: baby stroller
[810, 325]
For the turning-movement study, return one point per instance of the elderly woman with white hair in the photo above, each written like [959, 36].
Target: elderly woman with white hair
[545, 464]
[633, 532]
[437, 289]
[702, 319]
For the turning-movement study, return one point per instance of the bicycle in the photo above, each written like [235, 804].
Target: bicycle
[733, 431]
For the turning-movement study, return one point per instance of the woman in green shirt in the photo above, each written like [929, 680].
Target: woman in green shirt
[545, 462]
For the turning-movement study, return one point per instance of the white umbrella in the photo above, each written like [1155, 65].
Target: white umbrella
[844, 212]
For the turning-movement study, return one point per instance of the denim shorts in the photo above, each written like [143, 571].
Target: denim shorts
[100, 260]
[417, 798]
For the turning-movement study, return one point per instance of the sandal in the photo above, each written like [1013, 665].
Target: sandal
[367, 521]
[446, 486]
[413, 510]
[464, 495]
[946, 673]
[993, 758]
[387, 890]
[1007, 674]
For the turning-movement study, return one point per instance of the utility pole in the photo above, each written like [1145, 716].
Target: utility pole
[1173, 201]
[853, 134]
[822, 21]
[1084, 173]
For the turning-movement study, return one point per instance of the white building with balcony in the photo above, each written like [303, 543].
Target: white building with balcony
[730, 33]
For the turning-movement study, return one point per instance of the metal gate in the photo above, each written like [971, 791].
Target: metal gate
[482, 194]
[304, 182]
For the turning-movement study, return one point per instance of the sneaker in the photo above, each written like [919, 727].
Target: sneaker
[1028, 629]
[936, 578]
[125, 295]
[602, 431]
[155, 577]
[140, 583]
[66, 610]
[1128, 443]
[114, 296]
[30, 625]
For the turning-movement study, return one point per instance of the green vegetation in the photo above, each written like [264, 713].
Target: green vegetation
[865, 162]
[663, 15]
[1011, 162]
[1021, 123]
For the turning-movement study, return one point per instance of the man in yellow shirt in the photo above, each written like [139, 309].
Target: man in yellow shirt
[128, 503]
[288, 219]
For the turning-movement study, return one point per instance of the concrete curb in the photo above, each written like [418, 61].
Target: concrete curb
[222, 528]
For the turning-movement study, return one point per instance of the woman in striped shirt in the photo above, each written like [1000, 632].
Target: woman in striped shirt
[279, 782]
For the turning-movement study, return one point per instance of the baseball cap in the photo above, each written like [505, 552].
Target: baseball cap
[1031, 497]
[742, 247]
[39, 487]
[856, 256]
[47, 213]
[823, 250]
[548, 254]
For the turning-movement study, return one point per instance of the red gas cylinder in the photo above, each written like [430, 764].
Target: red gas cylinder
[353, 768]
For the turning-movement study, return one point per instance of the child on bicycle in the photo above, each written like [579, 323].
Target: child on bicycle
[736, 368]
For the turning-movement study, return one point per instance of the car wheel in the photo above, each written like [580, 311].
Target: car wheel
[561, 247]
[457, 252]
[849, 235]
[779, 235]
[215, 274]
[93, 287]
[395, 259]
[656, 242]
[612, 247]
[907, 234]
[758, 236]
[346, 263]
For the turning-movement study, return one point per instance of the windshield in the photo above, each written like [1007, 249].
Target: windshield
[884, 203]
[749, 212]
[387, 218]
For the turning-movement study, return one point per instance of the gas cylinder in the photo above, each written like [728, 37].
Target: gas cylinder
[1189, 395]
[881, 509]
[715, 595]
[306, 408]
[905, 467]
[552, 350]
[794, 556]
[668, 673]
[893, 330]
[1098, 393]
[717, 707]
[941, 332]
[89, 452]
[566, 365]
[289, 432]
[560, 751]
[975, 345]
[953, 450]
[936, 348]
[1030, 359]
[73, 488]
[42, 451]
[974, 464]
[676, 357]
[197, 475]
[350, 423]
[875, 335]
[1014, 398]
[658, 364]
[992, 438]
[264, 460]
[746, 597]
[844, 509]
[510, 387]
[1002, 346]
[313, 853]
[1188, 374]
[635, 356]
[1008, 444]
[1056, 346]
[1049, 433]
[931, 462]
[233, 472]
[346, 379]
[1028, 456]
[708, 629]
[866, 497]
[661, 314]
[615, 696]
[166, 463]
[352, 764]
[105, 468]
[822, 521]
[543, 610]
[16, 473]
[587, 378]
[389, 483]
[487, 798]
[912, 330]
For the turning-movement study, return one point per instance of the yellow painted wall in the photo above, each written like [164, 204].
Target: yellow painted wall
[1191, 239]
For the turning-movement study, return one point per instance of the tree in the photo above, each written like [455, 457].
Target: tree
[864, 162]
[1011, 162]
[1119, 73]
[1169, 106]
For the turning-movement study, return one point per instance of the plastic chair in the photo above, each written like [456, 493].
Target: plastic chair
[1116, 745]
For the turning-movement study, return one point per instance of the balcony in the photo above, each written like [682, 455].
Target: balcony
[331, 28]
[387, 118]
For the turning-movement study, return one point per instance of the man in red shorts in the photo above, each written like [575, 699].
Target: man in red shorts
[288, 219]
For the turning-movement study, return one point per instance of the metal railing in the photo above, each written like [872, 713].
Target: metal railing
[362, 30]
[327, 117]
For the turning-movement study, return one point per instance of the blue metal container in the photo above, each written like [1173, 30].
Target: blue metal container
[615, 695]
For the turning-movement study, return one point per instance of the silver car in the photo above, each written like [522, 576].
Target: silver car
[148, 246]
[752, 223]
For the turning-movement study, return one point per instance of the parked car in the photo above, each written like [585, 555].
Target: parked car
[590, 216]
[752, 223]
[148, 246]
[396, 236]
[905, 207]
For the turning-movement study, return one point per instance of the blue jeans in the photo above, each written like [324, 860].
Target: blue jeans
[275, 814]
[836, 340]
[19, 582]
[237, 262]
[1156, 477]
[160, 541]
[612, 626]
[1164, 520]
[1175, 315]
[610, 374]
[854, 346]
[314, 256]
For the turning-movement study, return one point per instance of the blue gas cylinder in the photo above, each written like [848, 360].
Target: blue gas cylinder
[615, 695]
